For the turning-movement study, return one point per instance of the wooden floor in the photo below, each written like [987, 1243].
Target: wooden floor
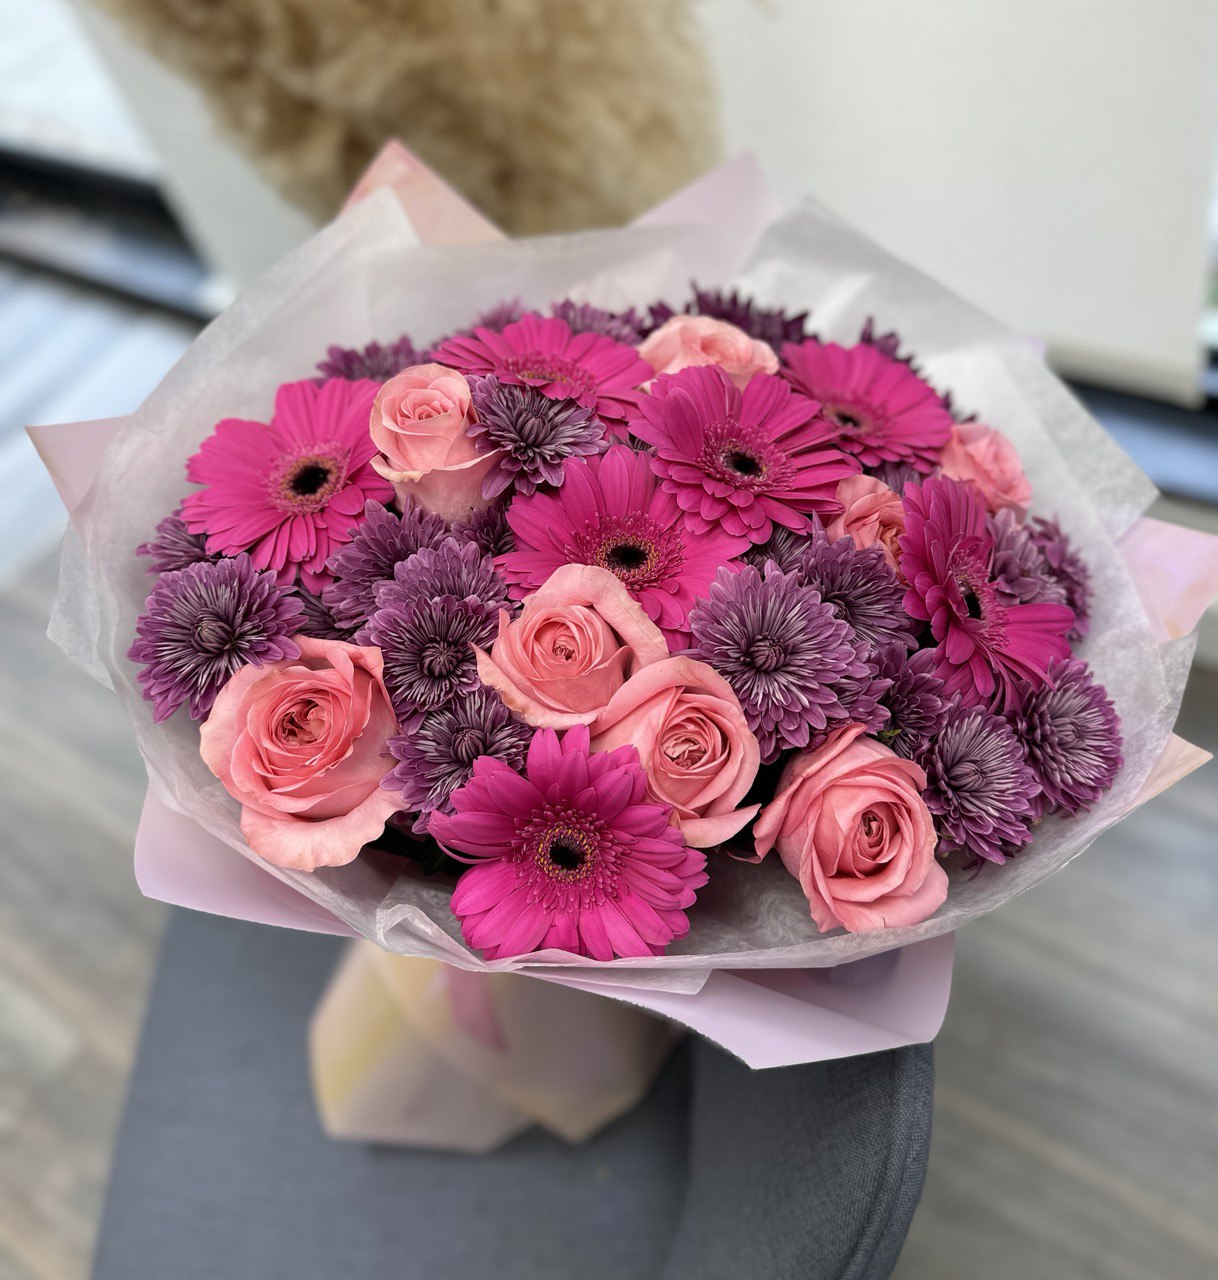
[1076, 1124]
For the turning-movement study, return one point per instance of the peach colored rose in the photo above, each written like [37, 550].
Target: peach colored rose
[693, 741]
[850, 824]
[692, 340]
[577, 640]
[987, 458]
[419, 421]
[301, 744]
[871, 514]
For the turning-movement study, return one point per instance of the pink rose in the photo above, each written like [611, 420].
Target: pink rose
[871, 514]
[850, 824]
[691, 340]
[301, 744]
[693, 741]
[419, 421]
[576, 641]
[987, 458]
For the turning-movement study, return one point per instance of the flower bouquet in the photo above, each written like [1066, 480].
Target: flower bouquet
[515, 609]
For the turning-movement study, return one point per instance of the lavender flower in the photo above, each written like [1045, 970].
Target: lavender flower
[978, 786]
[488, 529]
[380, 543]
[862, 588]
[174, 546]
[916, 704]
[781, 648]
[1020, 572]
[427, 647]
[536, 433]
[1071, 737]
[203, 623]
[438, 757]
[580, 317]
[374, 361]
[1070, 570]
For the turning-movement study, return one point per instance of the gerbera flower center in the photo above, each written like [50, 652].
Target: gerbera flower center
[742, 463]
[850, 420]
[566, 852]
[305, 482]
[626, 557]
[636, 549]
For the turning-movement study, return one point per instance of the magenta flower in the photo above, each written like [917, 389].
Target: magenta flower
[611, 512]
[985, 648]
[743, 461]
[883, 411]
[569, 855]
[291, 491]
[538, 351]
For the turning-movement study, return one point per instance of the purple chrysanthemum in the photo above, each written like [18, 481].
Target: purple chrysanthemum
[536, 434]
[498, 317]
[896, 475]
[1072, 738]
[863, 696]
[581, 317]
[174, 546]
[917, 706]
[488, 529]
[978, 785]
[784, 547]
[382, 541]
[203, 623]
[319, 622]
[781, 648]
[375, 361]
[438, 757]
[457, 569]
[1019, 569]
[428, 650]
[1070, 570]
[772, 325]
[861, 586]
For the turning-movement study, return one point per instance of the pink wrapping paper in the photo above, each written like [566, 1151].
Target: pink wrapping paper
[766, 1016]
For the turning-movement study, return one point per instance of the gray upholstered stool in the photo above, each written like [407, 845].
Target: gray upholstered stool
[221, 1169]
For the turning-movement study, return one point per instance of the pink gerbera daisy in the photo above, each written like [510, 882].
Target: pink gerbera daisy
[569, 856]
[883, 411]
[984, 648]
[291, 491]
[611, 512]
[539, 351]
[741, 461]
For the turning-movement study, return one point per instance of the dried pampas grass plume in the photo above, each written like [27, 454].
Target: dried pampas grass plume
[547, 114]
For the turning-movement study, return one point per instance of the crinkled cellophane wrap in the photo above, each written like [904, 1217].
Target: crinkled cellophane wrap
[363, 278]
